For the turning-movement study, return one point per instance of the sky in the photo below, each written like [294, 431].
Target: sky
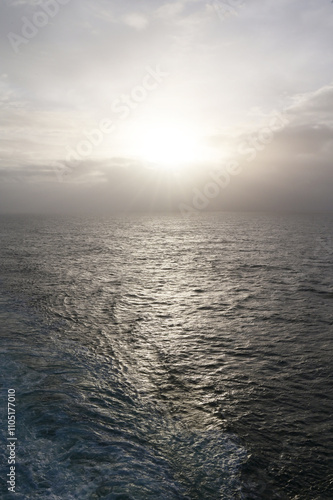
[189, 105]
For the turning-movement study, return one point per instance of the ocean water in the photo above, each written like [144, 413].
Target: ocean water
[168, 357]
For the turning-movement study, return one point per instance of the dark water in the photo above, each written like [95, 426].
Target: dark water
[162, 357]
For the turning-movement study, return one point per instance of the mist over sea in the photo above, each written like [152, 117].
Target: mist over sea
[168, 357]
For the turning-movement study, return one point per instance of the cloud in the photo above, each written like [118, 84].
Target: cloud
[314, 107]
[169, 10]
[135, 20]
[226, 77]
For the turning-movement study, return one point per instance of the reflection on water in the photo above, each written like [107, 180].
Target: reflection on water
[168, 357]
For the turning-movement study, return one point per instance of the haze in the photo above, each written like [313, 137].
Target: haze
[187, 105]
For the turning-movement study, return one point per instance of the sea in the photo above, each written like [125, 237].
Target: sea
[161, 356]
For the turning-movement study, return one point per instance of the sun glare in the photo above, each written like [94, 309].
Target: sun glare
[169, 147]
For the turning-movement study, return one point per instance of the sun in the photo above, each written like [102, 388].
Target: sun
[169, 146]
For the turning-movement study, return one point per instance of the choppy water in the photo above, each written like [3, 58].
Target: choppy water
[162, 357]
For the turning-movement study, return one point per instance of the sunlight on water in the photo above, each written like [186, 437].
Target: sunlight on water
[168, 358]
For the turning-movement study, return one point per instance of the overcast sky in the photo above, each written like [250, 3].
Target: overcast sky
[189, 105]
